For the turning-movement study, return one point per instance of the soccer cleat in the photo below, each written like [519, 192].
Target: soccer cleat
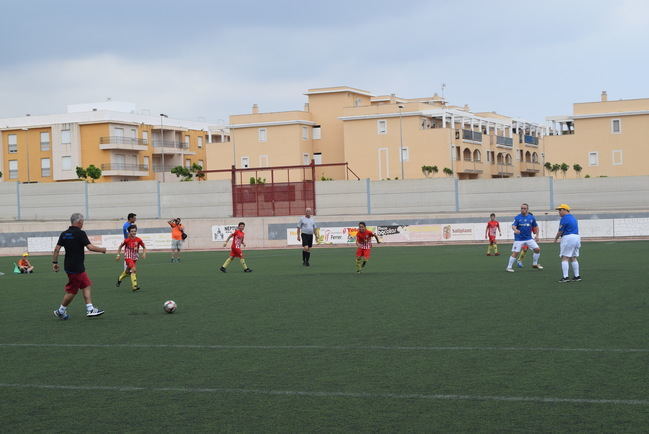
[136, 288]
[509, 270]
[307, 264]
[496, 254]
[519, 264]
[60, 315]
[248, 270]
[94, 312]
[119, 282]
[564, 280]
[576, 279]
[488, 254]
[222, 269]
[538, 266]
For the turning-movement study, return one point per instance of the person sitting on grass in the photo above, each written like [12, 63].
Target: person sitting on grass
[24, 265]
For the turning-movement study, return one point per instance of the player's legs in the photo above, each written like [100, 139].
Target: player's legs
[307, 243]
[516, 248]
[536, 255]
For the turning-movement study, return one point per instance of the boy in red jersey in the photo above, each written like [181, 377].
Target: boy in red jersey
[131, 254]
[490, 233]
[235, 249]
[363, 245]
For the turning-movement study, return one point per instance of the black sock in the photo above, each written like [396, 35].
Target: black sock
[308, 256]
[303, 256]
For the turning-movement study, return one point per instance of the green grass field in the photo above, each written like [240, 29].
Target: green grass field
[425, 339]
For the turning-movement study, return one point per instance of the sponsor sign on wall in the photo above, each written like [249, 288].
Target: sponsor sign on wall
[221, 232]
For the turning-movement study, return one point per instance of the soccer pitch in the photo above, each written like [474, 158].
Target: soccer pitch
[425, 339]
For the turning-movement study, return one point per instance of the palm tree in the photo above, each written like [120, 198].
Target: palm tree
[548, 166]
[564, 168]
[447, 171]
[577, 168]
[555, 168]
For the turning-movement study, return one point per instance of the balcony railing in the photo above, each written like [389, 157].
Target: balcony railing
[125, 166]
[507, 142]
[158, 168]
[531, 140]
[170, 144]
[121, 140]
[472, 136]
[529, 166]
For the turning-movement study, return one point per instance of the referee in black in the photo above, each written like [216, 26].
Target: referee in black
[306, 229]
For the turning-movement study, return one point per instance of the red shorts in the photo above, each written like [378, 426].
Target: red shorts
[236, 253]
[130, 263]
[363, 253]
[492, 239]
[77, 281]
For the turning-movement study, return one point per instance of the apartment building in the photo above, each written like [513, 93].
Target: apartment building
[125, 144]
[385, 137]
[605, 138]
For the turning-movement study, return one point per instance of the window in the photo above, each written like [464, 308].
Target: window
[405, 154]
[201, 163]
[245, 162]
[263, 161]
[199, 141]
[145, 137]
[617, 157]
[119, 132]
[13, 143]
[188, 163]
[187, 141]
[616, 126]
[145, 163]
[316, 132]
[306, 158]
[45, 141]
[66, 163]
[45, 167]
[382, 126]
[317, 157]
[66, 138]
[13, 169]
[263, 136]
[593, 159]
[133, 133]
[305, 133]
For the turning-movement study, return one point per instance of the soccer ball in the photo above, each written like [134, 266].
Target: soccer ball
[170, 306]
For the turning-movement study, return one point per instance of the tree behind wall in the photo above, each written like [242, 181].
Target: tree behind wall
[577, 168]
[93, 172]
[564, 169]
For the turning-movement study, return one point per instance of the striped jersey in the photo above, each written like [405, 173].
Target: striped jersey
[131, 248]
[237, 239]
[364, 239]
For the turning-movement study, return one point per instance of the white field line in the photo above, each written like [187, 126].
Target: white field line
[333, 347]
[366, 395]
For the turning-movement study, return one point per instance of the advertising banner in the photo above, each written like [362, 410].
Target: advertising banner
[221, 232]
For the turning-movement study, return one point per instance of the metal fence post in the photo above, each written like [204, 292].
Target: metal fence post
[17, 200]
[368, 190]
[86, 202]
[159, 204]
[551, 191]
[457, 194]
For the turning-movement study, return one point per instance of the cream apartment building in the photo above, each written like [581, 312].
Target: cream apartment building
[606, 138]
[384, 137]
[124, 143]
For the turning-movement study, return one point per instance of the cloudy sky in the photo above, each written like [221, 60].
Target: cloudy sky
[199, 59]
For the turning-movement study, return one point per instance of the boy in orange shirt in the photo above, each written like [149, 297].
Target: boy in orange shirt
[24, 265]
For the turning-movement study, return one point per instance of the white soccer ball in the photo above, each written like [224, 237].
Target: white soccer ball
[170, 306]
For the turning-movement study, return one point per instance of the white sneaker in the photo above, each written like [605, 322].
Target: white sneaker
[509, 270]
[94, 312]
[538, 266]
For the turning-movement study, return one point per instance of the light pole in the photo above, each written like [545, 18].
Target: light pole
[26, 130]
[162, 140]
[401, 137]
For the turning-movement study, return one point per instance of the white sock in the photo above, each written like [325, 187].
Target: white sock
[62, 309]
[511, 261]
[535, 258]
[89, 307]
[564, 268]
[575, 268]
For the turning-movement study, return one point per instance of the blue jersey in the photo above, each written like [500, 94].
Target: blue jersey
[568, 225]
[125, 229]
[525, 224]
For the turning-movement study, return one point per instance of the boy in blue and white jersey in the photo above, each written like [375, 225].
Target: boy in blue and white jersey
[570, 243]
[523, 227]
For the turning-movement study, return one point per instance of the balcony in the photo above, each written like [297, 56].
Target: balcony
[122, 169]
[171, 147]
[472, 137]
[123, 143]
[531, 141]
[504, 142]
[529, 167]
[502, 170]
[469, 166]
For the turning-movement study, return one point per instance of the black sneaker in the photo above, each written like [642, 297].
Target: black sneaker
[136, 288]
[248, 270]
[307, 264]
[564, 280]
[576, 279]
[119, 282]
[222, 269]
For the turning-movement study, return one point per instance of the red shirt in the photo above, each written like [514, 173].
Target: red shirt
[492, 225]
[131, 248]
[364, 239]
[237, 239]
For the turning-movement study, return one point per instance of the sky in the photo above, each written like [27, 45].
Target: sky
[206, 60]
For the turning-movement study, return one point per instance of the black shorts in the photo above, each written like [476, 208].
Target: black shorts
[307, 240]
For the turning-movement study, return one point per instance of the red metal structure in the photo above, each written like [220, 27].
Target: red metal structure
[275, 191]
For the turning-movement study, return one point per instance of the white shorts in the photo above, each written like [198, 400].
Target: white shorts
[518, 245]
[176, 244]
[570, 245]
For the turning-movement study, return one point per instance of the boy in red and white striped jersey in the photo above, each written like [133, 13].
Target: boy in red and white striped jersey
[363, 245]
[131, 247]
